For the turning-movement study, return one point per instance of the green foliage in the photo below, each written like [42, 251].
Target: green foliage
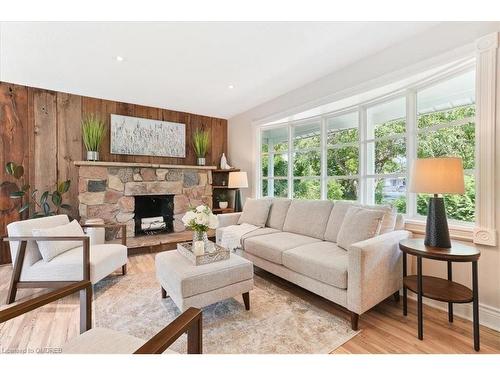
[93, 132]
[201, 141]
[48, 204]
[390, 157]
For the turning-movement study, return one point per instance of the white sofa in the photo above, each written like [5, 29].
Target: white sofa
[298, 243]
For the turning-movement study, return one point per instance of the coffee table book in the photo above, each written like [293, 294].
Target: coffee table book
[216, 254]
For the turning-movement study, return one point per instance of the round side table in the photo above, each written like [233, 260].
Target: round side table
[445, 290]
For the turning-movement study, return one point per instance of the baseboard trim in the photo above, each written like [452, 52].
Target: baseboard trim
[489, 316]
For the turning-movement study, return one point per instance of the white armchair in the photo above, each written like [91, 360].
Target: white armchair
[85, 262]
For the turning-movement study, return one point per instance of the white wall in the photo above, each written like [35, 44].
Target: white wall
[441, 45]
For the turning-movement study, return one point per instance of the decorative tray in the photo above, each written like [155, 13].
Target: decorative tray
[215, 253]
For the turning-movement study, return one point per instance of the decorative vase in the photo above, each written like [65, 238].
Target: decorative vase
[200, 161]
[222, 205]
[223, 162]
[93, 155]
[201, 236]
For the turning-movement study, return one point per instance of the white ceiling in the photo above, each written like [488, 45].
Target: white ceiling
[189, 66]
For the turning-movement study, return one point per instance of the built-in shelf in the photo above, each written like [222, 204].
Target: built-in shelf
[223, 210]
[226, 170]
[141, 165]
[222, 187]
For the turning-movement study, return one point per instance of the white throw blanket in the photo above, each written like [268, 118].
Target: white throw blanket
[231, 235]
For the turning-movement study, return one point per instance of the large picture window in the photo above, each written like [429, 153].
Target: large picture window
[364, 153]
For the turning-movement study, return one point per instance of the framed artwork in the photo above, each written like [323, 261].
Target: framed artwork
[140, 136]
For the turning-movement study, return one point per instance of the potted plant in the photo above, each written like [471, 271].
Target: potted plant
[200, 145]
[200, 220]
[223, 200]
[93, 134]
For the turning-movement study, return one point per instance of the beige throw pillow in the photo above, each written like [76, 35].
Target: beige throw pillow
[51, 249]
[255, 212]
[359, 224]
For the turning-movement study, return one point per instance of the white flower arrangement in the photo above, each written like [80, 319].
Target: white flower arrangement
[200, 219]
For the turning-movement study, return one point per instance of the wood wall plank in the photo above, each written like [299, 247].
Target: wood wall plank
[14, 146]
[69, 144]
[45, 140]
[42, 130]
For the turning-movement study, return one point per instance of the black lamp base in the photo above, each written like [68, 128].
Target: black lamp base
[436, 230]
[237, 201]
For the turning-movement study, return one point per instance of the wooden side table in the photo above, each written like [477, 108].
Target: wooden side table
[445, 290]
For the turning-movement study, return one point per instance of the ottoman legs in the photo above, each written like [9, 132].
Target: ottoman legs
[163, 293]
[246, 300]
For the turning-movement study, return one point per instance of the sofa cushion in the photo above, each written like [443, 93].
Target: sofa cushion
[277, 213]
[68, 266]
[359, 224]
[338, 213]
[186, 280]
[51, 249]
[308, 217]
[271, 246]
[258, 232]
[255, 212]
[25, 228]
[322, 261]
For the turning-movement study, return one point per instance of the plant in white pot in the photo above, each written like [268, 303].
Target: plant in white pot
[200, 220]
[201, 142]
[93, 133]
[223, 200]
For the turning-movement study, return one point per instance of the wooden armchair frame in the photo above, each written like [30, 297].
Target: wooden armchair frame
[15, 282]
[189, 322]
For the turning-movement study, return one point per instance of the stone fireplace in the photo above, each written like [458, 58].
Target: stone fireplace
[110, 190]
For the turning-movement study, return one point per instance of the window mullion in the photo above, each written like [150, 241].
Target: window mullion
[290, 161]
[324, 156]
[411, 148]
[362, 154]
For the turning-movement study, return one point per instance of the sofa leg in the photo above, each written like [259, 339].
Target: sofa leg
[354, 321]
[124, 269]
[396, 296]
[163, 293]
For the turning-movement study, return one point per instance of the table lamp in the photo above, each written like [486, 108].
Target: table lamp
[437, 176]
[237, 180]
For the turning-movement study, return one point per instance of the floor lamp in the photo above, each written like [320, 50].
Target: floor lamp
[237, 180]
[437, 176]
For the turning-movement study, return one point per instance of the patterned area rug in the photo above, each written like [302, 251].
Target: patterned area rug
[278, 321]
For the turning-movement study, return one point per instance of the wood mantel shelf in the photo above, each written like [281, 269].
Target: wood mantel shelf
[140, 165]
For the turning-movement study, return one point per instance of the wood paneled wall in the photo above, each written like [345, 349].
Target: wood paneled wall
[41, 130]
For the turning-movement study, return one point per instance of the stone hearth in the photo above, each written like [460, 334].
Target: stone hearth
[106, 190]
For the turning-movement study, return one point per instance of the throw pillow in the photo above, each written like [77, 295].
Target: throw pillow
[255, 212]
[51, 249]
[359, 224]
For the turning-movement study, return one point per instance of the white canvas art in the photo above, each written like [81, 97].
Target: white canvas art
[140, 136]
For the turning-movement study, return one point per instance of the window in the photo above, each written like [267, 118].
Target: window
[446, 127]
[386, 154]
[342, 159]
[363, 153]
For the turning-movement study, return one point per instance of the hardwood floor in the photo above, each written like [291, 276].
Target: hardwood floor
[384, 329]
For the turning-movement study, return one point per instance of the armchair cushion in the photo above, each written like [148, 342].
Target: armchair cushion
[104, 341]
[25, 228]
[104, 259]
[51, 249]
[359, 224]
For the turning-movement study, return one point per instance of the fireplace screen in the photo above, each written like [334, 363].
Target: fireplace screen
[154, 214]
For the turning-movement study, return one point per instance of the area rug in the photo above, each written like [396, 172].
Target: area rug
[278, 321]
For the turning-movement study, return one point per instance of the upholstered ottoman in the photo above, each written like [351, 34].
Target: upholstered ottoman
[198, 286]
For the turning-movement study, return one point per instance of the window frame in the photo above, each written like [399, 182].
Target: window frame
[410, 136]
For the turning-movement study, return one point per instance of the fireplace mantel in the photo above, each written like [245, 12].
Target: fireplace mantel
[140, 165]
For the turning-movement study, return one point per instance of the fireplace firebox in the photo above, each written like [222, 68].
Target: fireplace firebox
[154, 214]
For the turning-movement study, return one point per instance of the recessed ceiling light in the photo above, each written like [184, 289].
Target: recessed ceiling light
[230, 87]
[119, 58]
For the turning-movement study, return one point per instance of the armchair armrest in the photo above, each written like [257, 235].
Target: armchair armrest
[374, 270]
[123, 228]
[226, 220]
[18, 265]
[189, 322]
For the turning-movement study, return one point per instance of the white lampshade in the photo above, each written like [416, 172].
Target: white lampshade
[238, 180]
[437, 176]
